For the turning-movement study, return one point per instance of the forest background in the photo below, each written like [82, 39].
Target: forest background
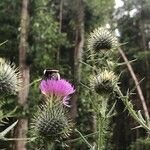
[53, 34]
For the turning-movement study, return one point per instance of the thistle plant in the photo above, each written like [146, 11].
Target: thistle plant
[103, 46]
[102, 40]
[52, 123]
[9, 85]
[104, 83]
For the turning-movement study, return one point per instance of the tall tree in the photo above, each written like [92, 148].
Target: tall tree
[22, 126]
[79, 42]
[60, 29]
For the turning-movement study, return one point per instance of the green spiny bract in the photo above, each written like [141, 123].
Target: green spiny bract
[9, 78]
[102, 39]
[51, 123]
[104, 83]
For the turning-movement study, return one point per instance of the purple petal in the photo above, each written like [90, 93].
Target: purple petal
[66, 102]
[60, 87]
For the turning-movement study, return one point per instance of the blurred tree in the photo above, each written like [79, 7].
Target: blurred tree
[45, 36]
[22, 126]
[78, 50]
[9, 29]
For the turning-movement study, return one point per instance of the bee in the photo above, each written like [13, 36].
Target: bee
[51, 74]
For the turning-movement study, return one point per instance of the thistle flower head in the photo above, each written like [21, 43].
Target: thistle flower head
[102, 39]
[51, 123]
[58, 88]
[105, 82]
[9, 77]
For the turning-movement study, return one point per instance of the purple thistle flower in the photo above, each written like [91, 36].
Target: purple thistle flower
[59, 88]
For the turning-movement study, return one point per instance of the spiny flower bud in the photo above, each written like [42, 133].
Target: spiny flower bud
[105, 82]
[9, 78]
[52, 124]
[102, 39]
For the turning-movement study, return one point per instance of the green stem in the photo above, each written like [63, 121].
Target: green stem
[102, 118]
[3, 42]
[87, 65]
[85, 136]
[89, 145]
[35, 81]
[101, 136]
[132, 112]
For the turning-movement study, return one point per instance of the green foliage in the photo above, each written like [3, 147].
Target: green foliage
[45, 36]
[141, 144]
[98, 12]
[9, 25]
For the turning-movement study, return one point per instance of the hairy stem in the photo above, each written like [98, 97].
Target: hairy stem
[89, 145]
[102, 118]
[101, 136]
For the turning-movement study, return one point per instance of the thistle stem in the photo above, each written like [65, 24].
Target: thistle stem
[51, 101]
[101, 135]
[102, 123]
[89, 145]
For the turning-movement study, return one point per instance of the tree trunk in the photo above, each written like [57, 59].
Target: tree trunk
[61, 15]
[60, 28]
[79, 42]
[22, 126]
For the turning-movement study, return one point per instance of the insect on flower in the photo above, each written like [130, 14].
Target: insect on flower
[52, 86]
[51, 74]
